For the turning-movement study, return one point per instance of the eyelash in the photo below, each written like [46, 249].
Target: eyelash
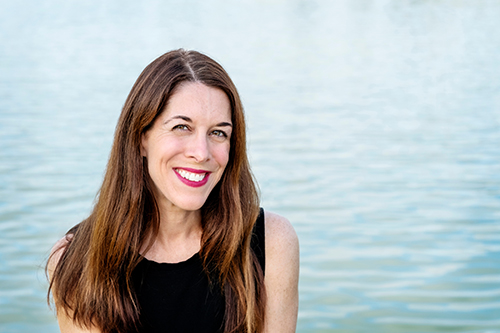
[217, 133]
[181, 127]
[221, 134]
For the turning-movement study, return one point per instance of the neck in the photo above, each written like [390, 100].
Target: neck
[179, 236]
[177, 223]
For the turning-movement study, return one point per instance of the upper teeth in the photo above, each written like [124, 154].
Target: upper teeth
[194, 177]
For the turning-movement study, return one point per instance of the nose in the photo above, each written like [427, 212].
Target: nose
[198, 148]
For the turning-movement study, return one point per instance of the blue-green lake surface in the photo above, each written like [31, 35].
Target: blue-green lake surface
[374, 127]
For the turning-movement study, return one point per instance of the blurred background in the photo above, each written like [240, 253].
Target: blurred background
[374, 126]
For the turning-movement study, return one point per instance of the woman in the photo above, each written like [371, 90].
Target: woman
[176, 240]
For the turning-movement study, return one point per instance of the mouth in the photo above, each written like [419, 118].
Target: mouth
[196, 177]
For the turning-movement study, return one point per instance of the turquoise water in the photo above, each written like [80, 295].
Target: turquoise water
[374, 126]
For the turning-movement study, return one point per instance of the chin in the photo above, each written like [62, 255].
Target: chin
[190, 205]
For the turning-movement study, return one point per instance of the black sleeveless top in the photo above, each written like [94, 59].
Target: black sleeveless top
[179, 297]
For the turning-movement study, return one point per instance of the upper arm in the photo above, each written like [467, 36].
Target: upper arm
[66, 323]
[282, 274]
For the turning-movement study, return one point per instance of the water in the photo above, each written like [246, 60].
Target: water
[374, 126]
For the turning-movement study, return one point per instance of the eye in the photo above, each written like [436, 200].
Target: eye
[219, 134]
[181, 127]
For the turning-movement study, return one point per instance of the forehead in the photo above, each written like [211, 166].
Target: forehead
[198, 99]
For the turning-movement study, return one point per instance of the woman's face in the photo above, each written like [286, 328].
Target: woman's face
[187, 148]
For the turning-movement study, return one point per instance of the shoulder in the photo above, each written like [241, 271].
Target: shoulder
[57, 252]
[280, 233]
[282, 249]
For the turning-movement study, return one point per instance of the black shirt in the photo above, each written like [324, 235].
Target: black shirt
[179, 297]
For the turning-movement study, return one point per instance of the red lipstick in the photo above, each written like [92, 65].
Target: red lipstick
[192, 183]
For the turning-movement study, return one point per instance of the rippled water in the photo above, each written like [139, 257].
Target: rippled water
[374, 126]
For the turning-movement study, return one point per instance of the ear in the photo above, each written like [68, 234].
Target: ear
[144, 141]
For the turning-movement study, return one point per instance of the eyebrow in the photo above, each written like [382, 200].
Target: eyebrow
[180, 117]
[223, 124]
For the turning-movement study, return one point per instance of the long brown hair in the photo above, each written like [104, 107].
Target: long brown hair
[92, 280]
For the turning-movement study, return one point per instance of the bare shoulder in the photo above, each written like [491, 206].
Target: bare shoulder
[56, 253]
[280, 232]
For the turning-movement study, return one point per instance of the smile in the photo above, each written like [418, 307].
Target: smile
[194, 177]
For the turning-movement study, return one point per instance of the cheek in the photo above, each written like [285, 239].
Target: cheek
[222, 155]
